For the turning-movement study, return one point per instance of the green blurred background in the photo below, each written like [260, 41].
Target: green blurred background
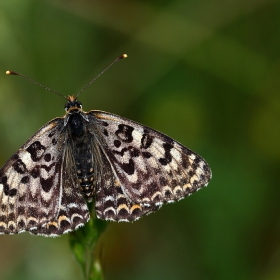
[204, 72]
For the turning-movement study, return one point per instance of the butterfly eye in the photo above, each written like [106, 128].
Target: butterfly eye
[78, 104]
[67, 106]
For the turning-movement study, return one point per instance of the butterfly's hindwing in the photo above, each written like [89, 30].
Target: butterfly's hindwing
[111, 203]
[73, 211]
[151, 167]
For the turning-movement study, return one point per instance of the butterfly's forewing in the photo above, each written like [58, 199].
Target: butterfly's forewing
[151, 167]
[30, 183]
[34, 191]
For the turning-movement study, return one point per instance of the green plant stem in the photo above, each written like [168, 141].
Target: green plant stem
[83, 242]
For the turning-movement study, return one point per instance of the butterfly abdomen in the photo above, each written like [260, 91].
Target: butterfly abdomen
[85, 173]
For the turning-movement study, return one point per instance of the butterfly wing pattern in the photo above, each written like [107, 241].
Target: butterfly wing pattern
[128, 169]
[34, 187]
[150, 168]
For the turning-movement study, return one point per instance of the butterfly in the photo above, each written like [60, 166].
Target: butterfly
[127, 169]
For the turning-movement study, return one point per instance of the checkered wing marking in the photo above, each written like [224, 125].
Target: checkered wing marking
[151, 167]
[73, 211]
[32, 194]
[110, 202]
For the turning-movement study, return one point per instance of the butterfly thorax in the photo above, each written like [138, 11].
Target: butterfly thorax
[77, 123]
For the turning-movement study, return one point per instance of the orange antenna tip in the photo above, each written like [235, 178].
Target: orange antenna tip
[12, 73]
[120, 57]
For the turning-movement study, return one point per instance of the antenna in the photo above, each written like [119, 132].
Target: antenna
[17, 74]
[116, 60]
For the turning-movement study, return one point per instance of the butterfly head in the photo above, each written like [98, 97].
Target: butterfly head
[72, 104]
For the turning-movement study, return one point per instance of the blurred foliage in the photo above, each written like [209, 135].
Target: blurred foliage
[204, 72]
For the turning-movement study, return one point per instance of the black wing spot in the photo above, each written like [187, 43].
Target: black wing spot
[14, 157]
[33, 212]
[12, 192]
[4, 180]
[125, 133]
[134, 152]
[24, 179]
[21, 210]
[51, 134]
[11, 206]
[167, 156]
[163, 181]
[11, 217]
[46, 183]
[11, 227]
[191, 173]
[128, 167]
[117, 143]
[35, 172]
[6, 189]
[64, 224]
[205, 168]
[146, 141]
[123, 214]
[104, 123]
[185, 161]
[121, 200]
[136, 211]
[31, 223]
[21, 224]
[36, 150]
[146, 154]
[174, 183]
[47, 157]
[19, 166]
[194, 165]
